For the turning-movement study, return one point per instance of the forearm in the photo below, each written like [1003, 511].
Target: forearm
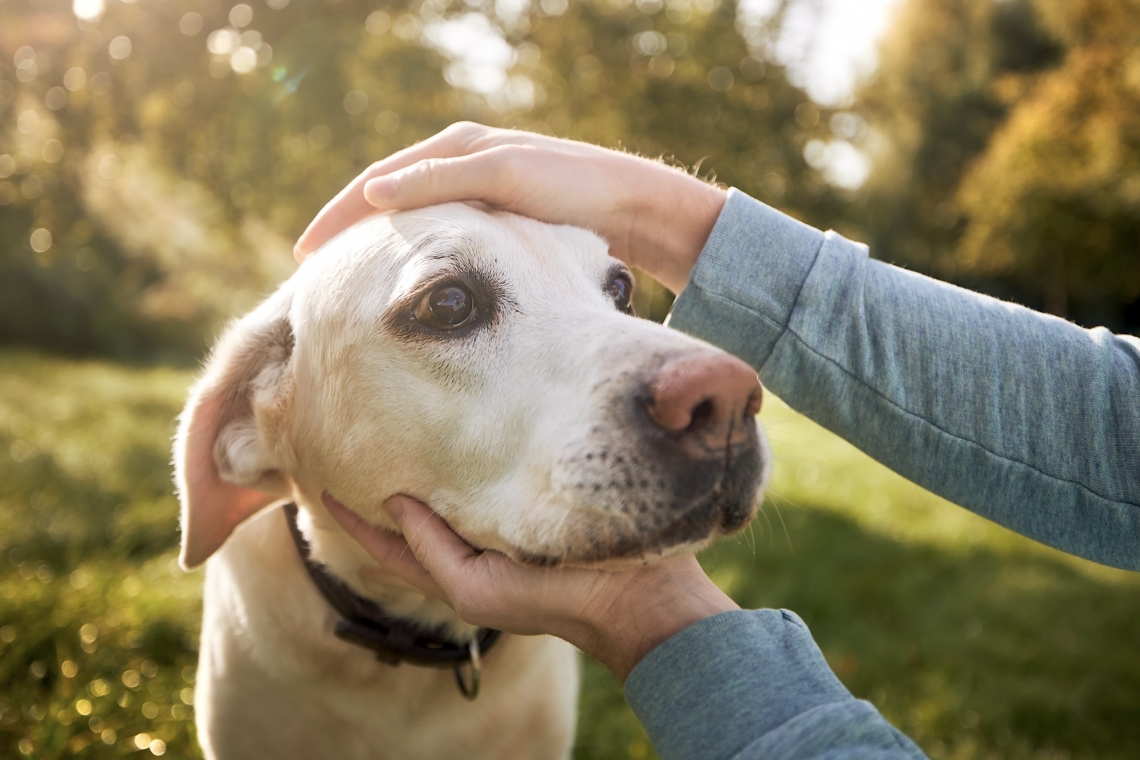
[753, 684]
[1023, 418]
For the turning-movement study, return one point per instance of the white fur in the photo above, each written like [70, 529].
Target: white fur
[317, 391]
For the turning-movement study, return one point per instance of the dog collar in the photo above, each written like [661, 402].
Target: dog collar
[392, 639]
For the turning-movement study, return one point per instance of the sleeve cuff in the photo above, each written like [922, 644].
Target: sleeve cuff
[745, 284]
[711, 689]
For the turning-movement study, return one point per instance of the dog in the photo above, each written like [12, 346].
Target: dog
[490, 366]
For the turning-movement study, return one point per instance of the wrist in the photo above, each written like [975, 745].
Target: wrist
[672, 225]
[620, 628]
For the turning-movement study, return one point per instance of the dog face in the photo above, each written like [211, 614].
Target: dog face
[488, 365]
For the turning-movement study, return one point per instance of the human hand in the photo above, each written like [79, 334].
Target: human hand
[616, 617]
[654, 217]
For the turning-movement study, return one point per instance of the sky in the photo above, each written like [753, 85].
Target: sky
[826, 44]
[829, 43]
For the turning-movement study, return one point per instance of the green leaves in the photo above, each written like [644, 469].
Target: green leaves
[1010, 161]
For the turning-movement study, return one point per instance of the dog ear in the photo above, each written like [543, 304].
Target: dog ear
[230, 459]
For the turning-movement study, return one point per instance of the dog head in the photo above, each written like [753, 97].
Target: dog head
[488, 365]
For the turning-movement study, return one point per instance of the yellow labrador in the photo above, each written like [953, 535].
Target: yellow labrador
[484, 363]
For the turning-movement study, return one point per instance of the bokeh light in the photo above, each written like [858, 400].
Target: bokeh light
[88, 10]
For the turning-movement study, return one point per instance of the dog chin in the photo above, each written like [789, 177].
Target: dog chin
[689, 534]
[616, 563]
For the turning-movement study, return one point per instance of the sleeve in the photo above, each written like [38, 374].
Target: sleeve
[1023, 418]
[752, 684]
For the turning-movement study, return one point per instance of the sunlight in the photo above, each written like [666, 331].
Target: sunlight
[88, 10]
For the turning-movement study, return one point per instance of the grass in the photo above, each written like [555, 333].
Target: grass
[975, 642]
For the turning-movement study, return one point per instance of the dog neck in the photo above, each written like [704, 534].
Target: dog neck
[364, 623]
[342, 558]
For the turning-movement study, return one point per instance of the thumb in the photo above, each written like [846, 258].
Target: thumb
[437, 547]
[387, 548]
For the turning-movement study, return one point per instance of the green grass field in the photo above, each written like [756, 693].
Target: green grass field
[974, 641]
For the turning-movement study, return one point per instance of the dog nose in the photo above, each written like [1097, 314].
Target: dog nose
[705, 396]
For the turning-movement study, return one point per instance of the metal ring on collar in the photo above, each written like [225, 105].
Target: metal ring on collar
[470, 688]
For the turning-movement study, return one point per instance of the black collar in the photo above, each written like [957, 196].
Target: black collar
[393, 640]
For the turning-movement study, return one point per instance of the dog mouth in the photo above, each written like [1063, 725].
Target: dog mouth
[691, 530]
[634, 505]
[711, 498]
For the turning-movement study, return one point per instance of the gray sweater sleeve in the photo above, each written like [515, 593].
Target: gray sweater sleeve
[1023, 418]
[1018, 416]
[753, 685]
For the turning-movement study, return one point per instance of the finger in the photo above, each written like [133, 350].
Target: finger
[438, 548]
[389, 549]
[349, 206]
[346, 209]
[490, 175]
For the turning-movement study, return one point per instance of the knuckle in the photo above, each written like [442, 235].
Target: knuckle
[512, 168]
[431, 171]
[465, 133]
[516, 157]
[466, 129]
[507, 160]
[473, 611]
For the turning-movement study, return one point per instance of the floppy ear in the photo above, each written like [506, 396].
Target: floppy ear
[230, 458]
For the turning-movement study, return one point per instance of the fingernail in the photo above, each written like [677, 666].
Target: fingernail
[395, 507]
[302, 247]
[380, 189]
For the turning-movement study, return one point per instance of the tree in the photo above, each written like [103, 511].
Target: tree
[1054, 203]
[145, 183]
[197, 139]
[1004, 152]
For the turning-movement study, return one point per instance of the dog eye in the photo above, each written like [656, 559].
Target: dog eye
[621, 291]
[446, 308]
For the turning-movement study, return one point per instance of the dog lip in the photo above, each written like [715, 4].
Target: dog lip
[722, 507]
[536, 560]
[697, 524]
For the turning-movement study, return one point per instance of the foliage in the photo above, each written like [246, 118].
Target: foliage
[974, 641]
[1055, 201]
[156, 160]
[681, 81]
[149, 189]
[1005, 145]
[97, 623]
[154, 170]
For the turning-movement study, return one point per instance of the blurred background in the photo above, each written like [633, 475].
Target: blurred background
[158, 158]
